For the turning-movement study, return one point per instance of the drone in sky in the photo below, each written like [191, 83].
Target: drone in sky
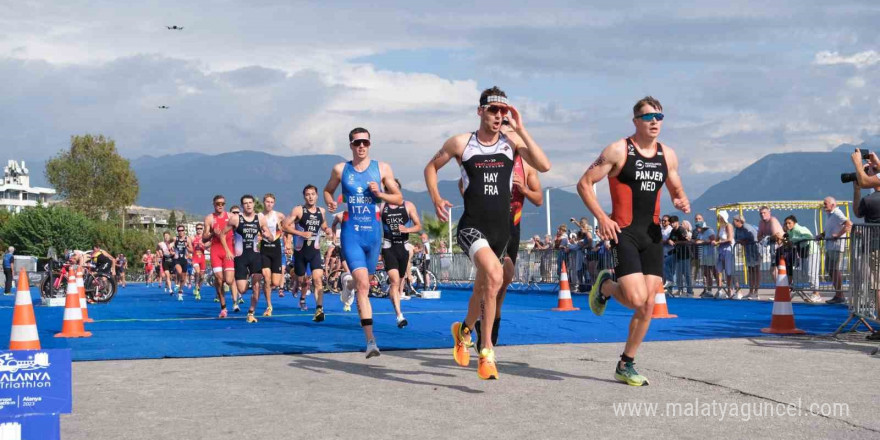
[175, 28]
[163, 107]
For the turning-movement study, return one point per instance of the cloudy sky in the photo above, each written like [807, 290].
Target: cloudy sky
[737, 79]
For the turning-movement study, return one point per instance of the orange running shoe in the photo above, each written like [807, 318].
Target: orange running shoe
[462, 343]
[487, 369]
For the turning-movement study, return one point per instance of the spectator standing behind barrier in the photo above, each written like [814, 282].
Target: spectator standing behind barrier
[747, 236]
[837, 226]
[704, 239]
[681, 254]
[665, 230]
[869, 209]
[561, 245]
[769, 229]
[724, 241]
[695, 262]
[542, 247]
[802, 240]
[8, 267]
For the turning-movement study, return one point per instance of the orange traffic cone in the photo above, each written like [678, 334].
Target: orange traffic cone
[81, 288]
[24, 326]
[782, 321]
[660, 309]
[72, 327]
[564, 303]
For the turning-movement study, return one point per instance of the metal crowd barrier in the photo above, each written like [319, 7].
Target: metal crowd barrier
[533, 267]
[865, 285]
[812, 265]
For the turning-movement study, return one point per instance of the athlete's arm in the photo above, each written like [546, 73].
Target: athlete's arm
[324, 227]
[531, 152]
[189, 245]
[287, 224]
[209, 228]
[610, 160]
[414, 217]
[392, 193]
[673, 182]
[231, 224]
[451, 148]
[532, 187]
[332, 184]
[264, 228]
[337, 219]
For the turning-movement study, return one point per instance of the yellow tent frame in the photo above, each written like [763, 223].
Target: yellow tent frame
[789, 205]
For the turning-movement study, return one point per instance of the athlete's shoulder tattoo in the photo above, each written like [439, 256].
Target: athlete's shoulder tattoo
[599, 161]
[438, 155]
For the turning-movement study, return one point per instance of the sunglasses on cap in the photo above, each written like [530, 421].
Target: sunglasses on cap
[496, 108]
[361, 142]
[648, 117]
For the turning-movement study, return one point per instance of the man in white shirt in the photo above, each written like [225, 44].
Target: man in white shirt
[836, 228]
[666, 229]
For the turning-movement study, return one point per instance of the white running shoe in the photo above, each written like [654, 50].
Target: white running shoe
[180, 297]
[401, 321]
[405, 297]
[738, 296]
[372, 349]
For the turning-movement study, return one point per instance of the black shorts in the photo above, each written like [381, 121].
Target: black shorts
[307, 256]
[472, 238]
[271, 258]
[247, 264]
[182, 263]
[513, 243]
[167, 265]
[639, 249]
[396, 258]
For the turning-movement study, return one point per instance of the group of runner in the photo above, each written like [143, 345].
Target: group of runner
[499, 164]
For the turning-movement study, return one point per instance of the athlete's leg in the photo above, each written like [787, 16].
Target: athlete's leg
[267, 278]
[394, 289]
[365, 310]
[490, 276]
[318, 286]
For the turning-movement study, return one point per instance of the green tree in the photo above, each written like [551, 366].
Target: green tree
[258, 205]
[92, 176]
[172, 220]
[434, 227]
[183, 218]
[34, 230]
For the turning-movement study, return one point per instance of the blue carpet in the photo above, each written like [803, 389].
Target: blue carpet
[145, 323]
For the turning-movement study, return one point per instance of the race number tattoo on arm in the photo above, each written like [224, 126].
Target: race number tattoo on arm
[597, 163]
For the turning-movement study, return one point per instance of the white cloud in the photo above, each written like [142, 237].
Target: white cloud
[861, 60]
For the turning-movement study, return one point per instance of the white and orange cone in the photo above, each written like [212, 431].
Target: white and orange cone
[782, 321]
[24, 334]
[81, 288]
[564, 303]
[660, 309]
[72, 327]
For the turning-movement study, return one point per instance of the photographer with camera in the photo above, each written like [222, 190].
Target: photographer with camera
[868, 208]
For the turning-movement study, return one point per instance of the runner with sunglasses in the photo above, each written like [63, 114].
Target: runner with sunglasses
[197, 250]
[221, 250]
[362, 182]
[271, 251]
[636, 167]
[486, 158]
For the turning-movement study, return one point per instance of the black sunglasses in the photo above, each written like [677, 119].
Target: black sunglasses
[359, 142]
[220, 204]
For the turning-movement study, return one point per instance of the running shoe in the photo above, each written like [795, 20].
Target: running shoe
[753, 295]
[372, 349]
[240, 300]
[596, 303]
[629, 375]
[739, 296]
[198, 296]
[346, 308]
[462, 341]
[222, 313]
[281, 294]
[235, 308]
[302, 305]
[836, 300]
[319, 315]
[404, 297]
[707, 294]
[180, 296]
[268, 311]
[401, 321]
[487, 369]
[250, 318]
[216, 300]
[816, 298]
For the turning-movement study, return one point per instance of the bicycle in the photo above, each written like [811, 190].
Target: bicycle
[100, 287]
[423, 279]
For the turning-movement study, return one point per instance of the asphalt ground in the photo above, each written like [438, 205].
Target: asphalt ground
[776, 384]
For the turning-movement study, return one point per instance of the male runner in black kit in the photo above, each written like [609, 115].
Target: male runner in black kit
[180, 249]
[250, 263]
[637, 167]
[394, 247]
[486, 157]
[306, 222]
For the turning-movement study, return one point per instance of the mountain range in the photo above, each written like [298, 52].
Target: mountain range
[188, 181]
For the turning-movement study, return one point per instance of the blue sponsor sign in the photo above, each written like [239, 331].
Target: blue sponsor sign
[31, 427]
[35, 382]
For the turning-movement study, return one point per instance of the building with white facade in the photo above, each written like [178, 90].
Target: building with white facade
[16, 192]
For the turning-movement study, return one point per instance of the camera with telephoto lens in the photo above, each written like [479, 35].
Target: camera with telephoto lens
[851, 177]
